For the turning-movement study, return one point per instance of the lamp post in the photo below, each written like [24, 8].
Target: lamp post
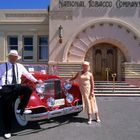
[60, 33]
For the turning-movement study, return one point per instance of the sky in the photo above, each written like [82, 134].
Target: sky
[24, 4]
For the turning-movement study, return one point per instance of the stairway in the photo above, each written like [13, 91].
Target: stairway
[103, 88]
[68, 70]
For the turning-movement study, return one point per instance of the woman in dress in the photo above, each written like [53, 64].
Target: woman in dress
[86, 85]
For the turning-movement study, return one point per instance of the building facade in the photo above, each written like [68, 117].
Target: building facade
[105, 32]
[26, 31]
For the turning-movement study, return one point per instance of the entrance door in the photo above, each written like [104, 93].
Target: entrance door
[103, 58]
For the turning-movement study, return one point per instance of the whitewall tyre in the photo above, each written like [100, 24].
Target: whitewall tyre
[19, 118]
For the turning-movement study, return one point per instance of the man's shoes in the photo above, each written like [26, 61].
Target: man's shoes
[7, 135]
[27, 111]
[18, 111]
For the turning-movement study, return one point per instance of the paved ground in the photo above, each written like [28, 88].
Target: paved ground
[120, 121]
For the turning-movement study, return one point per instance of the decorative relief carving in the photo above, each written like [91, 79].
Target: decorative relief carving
[63, 15]
[105, 32]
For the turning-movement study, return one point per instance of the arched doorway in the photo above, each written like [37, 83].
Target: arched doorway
[105, 58]
[101, 34]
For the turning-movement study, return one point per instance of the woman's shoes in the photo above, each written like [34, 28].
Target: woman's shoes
[89, 122]
[98, 120]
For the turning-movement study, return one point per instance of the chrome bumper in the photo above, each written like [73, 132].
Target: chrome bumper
[54, 113]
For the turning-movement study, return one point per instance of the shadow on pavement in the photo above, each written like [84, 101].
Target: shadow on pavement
[36, 127]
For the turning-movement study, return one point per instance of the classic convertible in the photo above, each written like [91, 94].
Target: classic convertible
[54, 97]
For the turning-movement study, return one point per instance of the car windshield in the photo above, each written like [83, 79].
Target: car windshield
[36, 68]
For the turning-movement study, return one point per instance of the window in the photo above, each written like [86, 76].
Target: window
[28, 48]
[12, 43]
[43, 47]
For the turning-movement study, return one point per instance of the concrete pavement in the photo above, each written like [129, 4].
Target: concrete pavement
[120, 118]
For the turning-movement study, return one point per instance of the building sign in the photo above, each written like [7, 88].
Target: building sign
[99, 3]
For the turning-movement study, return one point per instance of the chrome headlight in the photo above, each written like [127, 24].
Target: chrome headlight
[40, 88]
[69, 98]
[51, 102]
[67, 85]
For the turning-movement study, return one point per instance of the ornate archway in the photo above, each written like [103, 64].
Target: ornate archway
[124, 37]
[111, 31]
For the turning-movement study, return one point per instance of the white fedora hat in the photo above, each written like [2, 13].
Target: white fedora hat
[14, 53]
[86, 63]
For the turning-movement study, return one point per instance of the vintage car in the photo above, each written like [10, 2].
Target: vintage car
[54, 97]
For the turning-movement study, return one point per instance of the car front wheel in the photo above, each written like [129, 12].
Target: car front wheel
[19, 118]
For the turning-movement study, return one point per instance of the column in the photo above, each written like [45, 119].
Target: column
[3, 47]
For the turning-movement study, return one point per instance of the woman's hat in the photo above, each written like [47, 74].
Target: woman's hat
[86, 63]
[14, 53]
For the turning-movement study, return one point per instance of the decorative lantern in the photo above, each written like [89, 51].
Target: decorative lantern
[60, 33]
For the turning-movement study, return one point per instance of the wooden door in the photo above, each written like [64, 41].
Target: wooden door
[104, 56]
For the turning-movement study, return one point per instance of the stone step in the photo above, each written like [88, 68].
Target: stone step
[103, 88]
[121, 82]
[116, 86]
[115, 91]
[110, 83]
[120, 89]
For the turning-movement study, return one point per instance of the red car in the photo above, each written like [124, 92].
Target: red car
[54, 97]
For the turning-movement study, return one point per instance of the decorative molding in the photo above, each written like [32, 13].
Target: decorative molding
[84, 30]
[98, 37]
[135, 37]
[18, 15]
[63, 15]
[128, 31]
[90, 39]
[77, 37]
[120, 26]
[79, 48]
[92, 24]
[110, 24]
[84, 42]
[75, 54]
[101, 24]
